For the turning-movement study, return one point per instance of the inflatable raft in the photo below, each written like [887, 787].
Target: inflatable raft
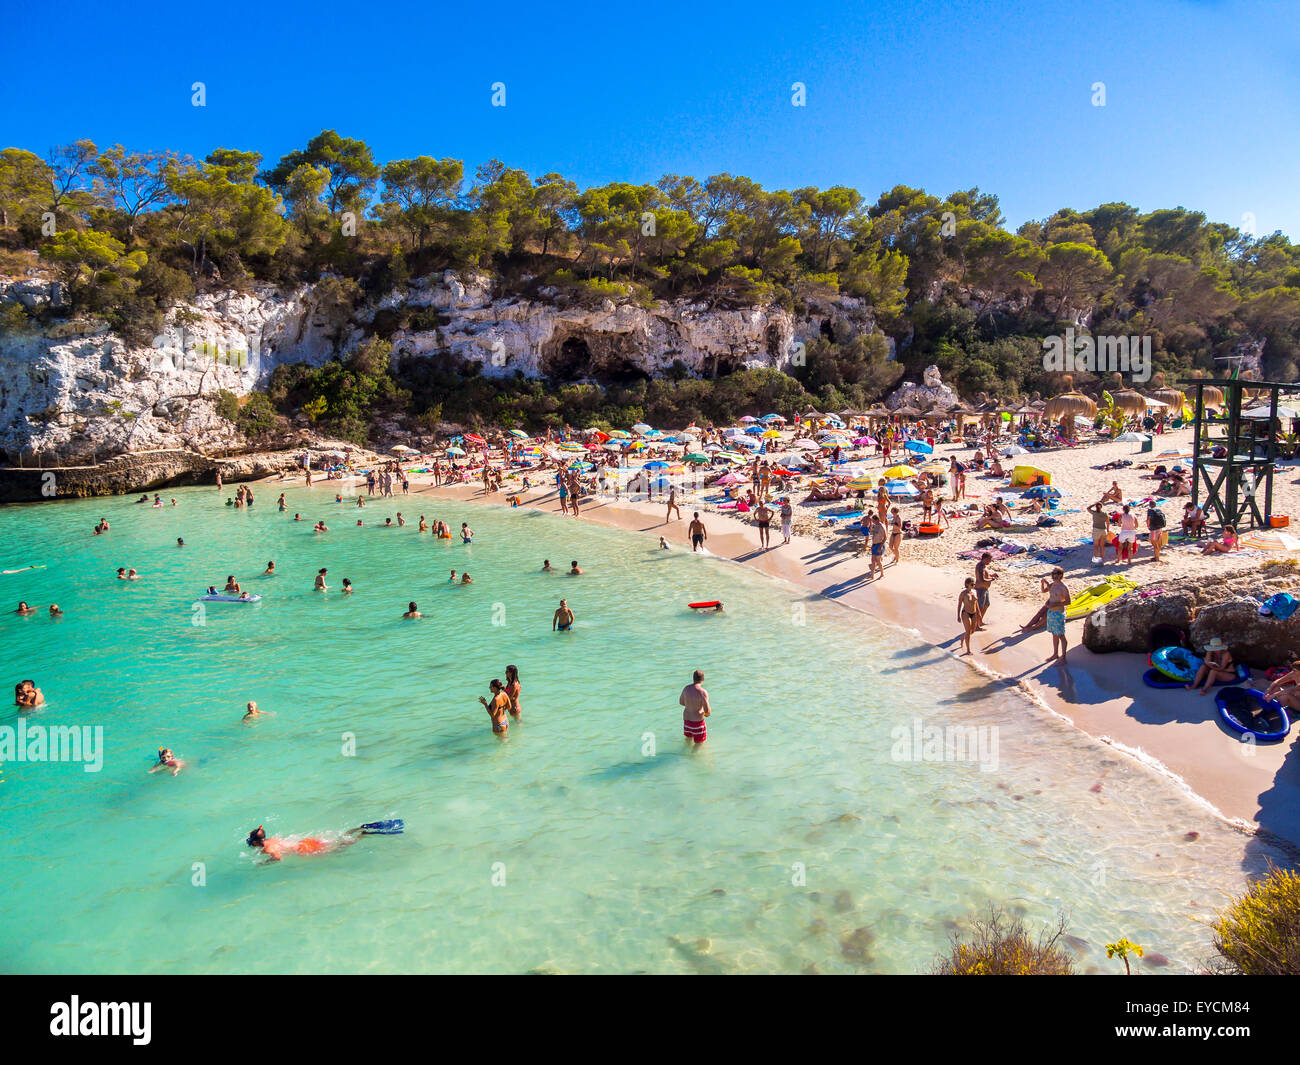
[223, 598]
[1246, 712]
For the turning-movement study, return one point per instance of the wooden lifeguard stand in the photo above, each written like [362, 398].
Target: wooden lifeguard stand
[1233, 483]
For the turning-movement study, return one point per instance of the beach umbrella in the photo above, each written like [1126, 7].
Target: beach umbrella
[730, 479]
[1175, 453]
[896, 472]
[747, 442]
[772, 434]
[1171, 397]
[455, 451]
[919, 446]
[861, 484]
[1270, 540]
[773, 418]
[1211, 395]
[1070, 404]
[613, 445]
[755, 430]
[1015, 449]
[1256, 413]
[474, 438]
[749, 418]
[656, 465]
[695, 456]
[730, 456]
[403, 449]
[620, 434]
[901, 488]
[519, 433]
[641, 428]
[1127, 438]
[1129, 402]
[636, 445]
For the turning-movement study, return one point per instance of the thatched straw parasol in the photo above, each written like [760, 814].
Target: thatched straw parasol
[1126, 399]
[1069, 405]
[1211, 395]
[1171, 397]
[907, 412]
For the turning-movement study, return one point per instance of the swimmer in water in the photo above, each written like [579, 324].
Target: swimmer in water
[55, 611]
[121, 573]
[270, 570]
[546, 565]
[322, 527]
[574, 569]
[347, 586]
[412, 611]
[424, 525]
[27, 695]
[514, 690]
[232, 585]
[282, 504]
[297, 517]
[276, 847]
[251, 711]
[167, 760]
[465, 578]
[180, 542]
[466, 534]
[24, 609]
[131, 575]
[663, 544]
[321, 586]
[562, 619]
[452, 579]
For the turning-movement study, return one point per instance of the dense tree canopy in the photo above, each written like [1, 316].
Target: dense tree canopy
[129, 231]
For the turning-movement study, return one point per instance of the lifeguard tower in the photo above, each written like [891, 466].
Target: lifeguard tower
[1239, 485]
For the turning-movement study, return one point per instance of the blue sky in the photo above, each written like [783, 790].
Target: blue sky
[1202, 98]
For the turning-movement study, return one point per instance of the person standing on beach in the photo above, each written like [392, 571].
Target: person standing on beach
[763, 519]
[1158, 532]
[877, 547]
[1058, 598]
[984, 578]
[787, 517]
[1100, 529]
[968, 612]
[895, 533]
[1128, 535]
[697, 532]
[694, 701]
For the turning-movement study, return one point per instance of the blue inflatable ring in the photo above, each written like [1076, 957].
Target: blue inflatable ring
[1229, 702]
[1177, 663]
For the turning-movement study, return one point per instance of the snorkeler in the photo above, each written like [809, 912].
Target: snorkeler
[276, 847]
[167, 760]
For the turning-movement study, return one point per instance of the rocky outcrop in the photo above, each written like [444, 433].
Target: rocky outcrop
[1225, 605]
[922, 396]
[75, 392]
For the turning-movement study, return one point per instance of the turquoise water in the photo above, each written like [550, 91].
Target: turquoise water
[589, 840]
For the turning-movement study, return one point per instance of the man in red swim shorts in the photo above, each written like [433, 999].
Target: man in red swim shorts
[695, 701]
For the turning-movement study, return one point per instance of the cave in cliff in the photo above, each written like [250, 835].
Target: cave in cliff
[603, 359]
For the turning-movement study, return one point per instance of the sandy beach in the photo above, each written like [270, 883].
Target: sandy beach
[1256, 788]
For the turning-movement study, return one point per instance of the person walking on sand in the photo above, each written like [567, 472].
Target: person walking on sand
[984, 578]
[694, 701]
[787, 518]
[672, 505]
[968, 612]
[1058, 598]
[895, 533]
[697, 532]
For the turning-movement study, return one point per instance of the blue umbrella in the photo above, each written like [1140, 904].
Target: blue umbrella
[919, 446]
[755, 430]
[901, 488]
[656, 465]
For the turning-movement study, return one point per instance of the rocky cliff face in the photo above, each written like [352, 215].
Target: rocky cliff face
[76, 392]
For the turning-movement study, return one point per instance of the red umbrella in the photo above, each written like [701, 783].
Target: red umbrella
[474, 438]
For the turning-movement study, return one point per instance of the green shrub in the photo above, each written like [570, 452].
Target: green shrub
[1259, 933]
[227, 405]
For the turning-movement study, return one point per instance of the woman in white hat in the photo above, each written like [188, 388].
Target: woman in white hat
[1218, 667]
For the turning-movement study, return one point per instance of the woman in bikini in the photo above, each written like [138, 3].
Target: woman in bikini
[895, 533]
[882, 501]
[967, 612]
[513, 690]
[1286, 689]
[498, 707]
[1224, 545]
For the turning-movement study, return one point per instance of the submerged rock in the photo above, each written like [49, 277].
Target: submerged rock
[856, 946]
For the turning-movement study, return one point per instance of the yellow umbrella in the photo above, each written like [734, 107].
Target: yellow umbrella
[861, 484]
[772, 434]
[896, 472]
